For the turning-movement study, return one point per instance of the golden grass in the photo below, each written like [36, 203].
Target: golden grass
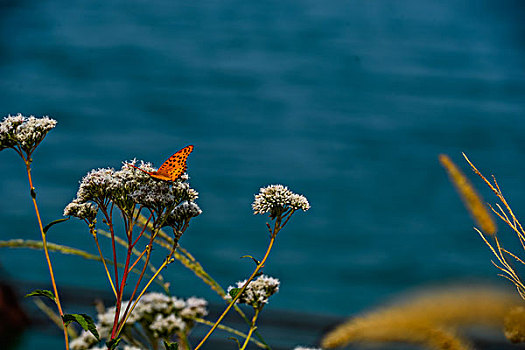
[472, 200]
[505, 213]
[428, 319]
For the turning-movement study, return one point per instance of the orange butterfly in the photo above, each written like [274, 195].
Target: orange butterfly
[173, 167]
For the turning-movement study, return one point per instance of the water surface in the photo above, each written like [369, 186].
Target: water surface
[348, 103]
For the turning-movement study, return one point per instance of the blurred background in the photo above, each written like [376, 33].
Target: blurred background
[346, 102]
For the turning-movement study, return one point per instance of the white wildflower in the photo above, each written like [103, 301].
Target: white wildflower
[152, 303]
[258, 291]
[178, 304]
[276, 199]
[84, 341]
[158, 313]
[182, 213]
[98, 185]
[130, 178]
[298, 201]
[167, 325]
[153, 193]
[24, 132]
[128, 187]
[10, 123]
[182, 188]
[81, 210]
[7, 130]
[195, 307]
[106, 319]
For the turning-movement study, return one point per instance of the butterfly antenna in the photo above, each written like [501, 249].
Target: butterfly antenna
[131, 165]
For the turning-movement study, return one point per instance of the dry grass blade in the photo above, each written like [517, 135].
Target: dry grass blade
[496, 189]
[506, 214]
[507, 269]
[513, 255]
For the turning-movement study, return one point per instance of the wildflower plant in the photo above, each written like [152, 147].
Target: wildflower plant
[257, 292]
[137, 210]
[23, 135]
[133, 194]
[280, 203]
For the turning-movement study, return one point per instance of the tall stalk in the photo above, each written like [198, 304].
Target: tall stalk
[277, 227]
[46, 252]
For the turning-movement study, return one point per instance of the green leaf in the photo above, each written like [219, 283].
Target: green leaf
[84, 321]
[41, 293]
[234, 291]
[257, 262]
[171, 345]
[48, 226]
[112, 344]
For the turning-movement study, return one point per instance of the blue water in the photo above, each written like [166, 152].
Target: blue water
[348, 103]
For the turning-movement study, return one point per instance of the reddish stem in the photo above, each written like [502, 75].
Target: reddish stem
[122, 284]
[142, 231]
[148, 256]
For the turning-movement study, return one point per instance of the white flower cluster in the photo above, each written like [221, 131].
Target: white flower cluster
[275, 199]
[87, 211]
[158, 313]
[182, 212]
[164, 325]
[258, 291]
[79, 344]
[126, 347]
[97, 185]
[24, 132]
[129, 187]
[84, 341]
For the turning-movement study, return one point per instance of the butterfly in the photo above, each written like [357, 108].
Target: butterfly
[173, 167]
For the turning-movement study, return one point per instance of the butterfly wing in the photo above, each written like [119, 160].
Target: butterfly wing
[174, 166]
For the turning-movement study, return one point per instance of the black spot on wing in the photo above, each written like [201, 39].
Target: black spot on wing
[175, 165]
